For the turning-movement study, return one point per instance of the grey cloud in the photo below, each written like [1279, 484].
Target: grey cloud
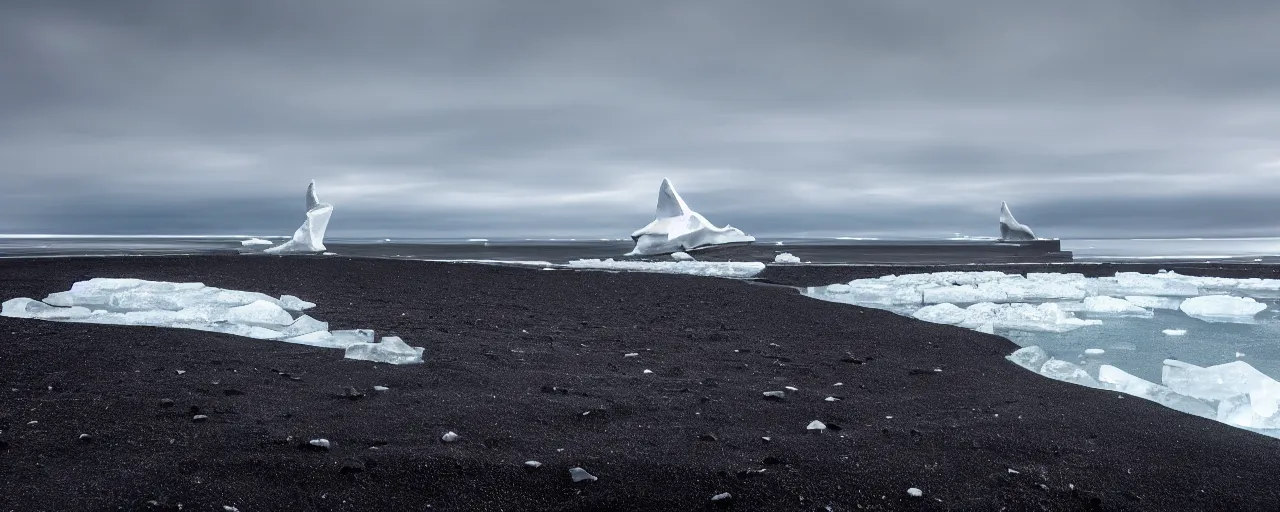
[560, 117]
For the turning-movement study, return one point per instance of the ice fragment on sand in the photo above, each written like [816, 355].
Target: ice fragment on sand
[1068, 372]
[786, 257]
[697, 268]
[309, 238]
[1119, 380]
[816, 425]
[319, 443]
[681, 256]
[391, 350]
[27, 308]
[1222, 308]
[581, 475]
[676, 227]
[533, 464]
[255, 241]
[1031, 358]
[450, 437]
[722, 496]
[291, 303]
[775, 394]
[915, 493]
[647, 371]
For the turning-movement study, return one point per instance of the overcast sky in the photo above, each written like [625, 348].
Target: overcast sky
[560, 117]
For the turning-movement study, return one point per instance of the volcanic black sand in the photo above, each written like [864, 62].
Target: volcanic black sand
[527, 364]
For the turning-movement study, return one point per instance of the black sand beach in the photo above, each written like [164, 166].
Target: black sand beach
[527, 364]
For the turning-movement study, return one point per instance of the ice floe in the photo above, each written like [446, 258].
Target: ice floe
[1010, 228]
[205, 308]
[786, 257]
[697, 268]
[309, 238]
[676, 227]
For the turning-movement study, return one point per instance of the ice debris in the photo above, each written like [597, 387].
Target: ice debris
[786, 257]
[681, 256]
[915, 493]
[676, 227]
[391, 350]
[1174, 332]
[256, 241]
[1094, 351]
[450, 437]
[581, 475]
[1010, 228]
[697, 268]
[205, 308]
[309, 238]
[816, 425]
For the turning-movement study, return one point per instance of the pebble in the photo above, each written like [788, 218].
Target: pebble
[229, 508]
[450, 437]
[166, 402]
[774, 394]
[915, 493]
[631, 354]
[351, 393]
[581, 475]
[86, 437]
[816, 425]
[199, 417]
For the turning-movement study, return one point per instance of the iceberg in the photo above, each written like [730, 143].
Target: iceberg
[1222, 308]
[309, 238]
[678, 228]
[1010, 228]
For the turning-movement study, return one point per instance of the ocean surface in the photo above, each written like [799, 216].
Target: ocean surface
[848, 250]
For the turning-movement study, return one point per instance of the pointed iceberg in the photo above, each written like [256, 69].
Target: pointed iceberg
[678, 228]
[1010, 228]
[310, 237]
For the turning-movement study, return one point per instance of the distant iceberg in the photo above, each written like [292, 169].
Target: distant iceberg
[309, 238]
[1010, 228]
[678, 228]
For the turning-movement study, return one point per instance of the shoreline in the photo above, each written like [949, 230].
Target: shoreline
[516, 356]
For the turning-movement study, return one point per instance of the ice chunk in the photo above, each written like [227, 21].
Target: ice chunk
[945, 313]
[335, 339]
[786, 257]
[581, 475]
[1068, 372]
[681, 256]
[391, 350]
[1047, 317]
[1010, 228]
[1119, 380]
[255, 241]
[697, 268]
[1150, 302]
[1032, 358]
[302, 326]
[1134, 283]
[1103, 305]
[27, 308]
[1094, 351]
[260, 313]
[679, 228]
[1174, 332]
[1217, 382]
[1222, 308]
[309, 238]
[291, 303]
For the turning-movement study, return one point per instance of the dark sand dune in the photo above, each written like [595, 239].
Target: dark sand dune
[515, 357]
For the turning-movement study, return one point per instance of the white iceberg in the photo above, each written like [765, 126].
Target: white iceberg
[1111, 306]
[1037, 360]
[1222, 308]
[1119, 380]
[679, 228]
[786, 257]
[309, 238]
[1010, 228]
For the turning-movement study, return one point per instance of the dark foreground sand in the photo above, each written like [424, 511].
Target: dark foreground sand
[517, 358]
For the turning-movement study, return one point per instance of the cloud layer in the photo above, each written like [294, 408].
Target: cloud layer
[559, 117]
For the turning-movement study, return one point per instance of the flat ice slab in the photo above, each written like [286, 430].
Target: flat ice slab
[696, 268]
[677, 228]
[204, 308]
